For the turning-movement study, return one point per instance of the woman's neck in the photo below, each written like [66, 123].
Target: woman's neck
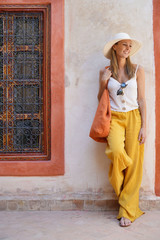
[122, 76]
[121, 63]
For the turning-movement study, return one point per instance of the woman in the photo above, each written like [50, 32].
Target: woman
[125, 148]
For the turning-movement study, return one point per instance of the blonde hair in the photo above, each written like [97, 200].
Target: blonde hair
[129, 67]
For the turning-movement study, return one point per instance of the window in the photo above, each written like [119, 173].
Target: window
[31, 89]
[24, 87]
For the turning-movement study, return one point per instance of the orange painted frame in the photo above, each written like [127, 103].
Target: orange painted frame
[54, 166]
[156, 33]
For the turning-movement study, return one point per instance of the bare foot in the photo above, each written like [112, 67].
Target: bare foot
[124, 222]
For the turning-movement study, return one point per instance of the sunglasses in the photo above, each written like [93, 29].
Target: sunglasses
[120, 90]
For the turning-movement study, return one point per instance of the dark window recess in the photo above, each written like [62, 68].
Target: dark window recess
[1, 66]
[28, 26]
[1, 100]
[26, 135]
[26, 99]
[1, 134]
[1, 32]
[21, 82]
[26, 65]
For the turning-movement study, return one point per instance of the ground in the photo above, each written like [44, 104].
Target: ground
[76, 225]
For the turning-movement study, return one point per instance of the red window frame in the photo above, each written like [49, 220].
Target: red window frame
[52, 162]
[156, 34]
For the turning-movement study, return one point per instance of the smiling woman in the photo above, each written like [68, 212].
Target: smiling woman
[125, 142]
[123, 48]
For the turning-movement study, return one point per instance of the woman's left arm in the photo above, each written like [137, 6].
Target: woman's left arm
[142, 103]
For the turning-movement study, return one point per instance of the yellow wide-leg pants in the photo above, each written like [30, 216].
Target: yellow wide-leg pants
[126, 154]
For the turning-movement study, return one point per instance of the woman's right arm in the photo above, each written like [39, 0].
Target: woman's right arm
[104, 75]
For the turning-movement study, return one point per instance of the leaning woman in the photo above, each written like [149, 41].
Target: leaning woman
[125, 142]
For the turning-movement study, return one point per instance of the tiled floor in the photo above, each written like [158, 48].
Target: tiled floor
[76, 225]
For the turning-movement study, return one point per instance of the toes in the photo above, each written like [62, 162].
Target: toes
[124, 222]
[127, 222]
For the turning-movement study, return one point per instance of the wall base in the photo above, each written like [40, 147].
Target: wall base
[69, 201]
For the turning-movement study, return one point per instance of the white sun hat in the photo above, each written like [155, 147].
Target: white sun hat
[136, 45]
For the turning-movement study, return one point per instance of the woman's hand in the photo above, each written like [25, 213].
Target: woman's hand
[104, 75]
[142, 135]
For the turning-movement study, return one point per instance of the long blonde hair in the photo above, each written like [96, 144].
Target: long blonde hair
[129, 67]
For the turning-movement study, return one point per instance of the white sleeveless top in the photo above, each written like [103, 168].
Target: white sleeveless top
[126, 102]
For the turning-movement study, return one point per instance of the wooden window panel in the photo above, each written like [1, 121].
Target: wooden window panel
[23, 82]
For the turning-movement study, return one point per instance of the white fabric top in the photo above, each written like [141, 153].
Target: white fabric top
[126, 102]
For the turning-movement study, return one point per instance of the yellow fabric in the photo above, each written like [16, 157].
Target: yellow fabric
[126, 154]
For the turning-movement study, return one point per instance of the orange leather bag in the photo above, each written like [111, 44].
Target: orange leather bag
[101, 123]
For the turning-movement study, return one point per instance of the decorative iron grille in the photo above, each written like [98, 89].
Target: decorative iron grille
[21, 82]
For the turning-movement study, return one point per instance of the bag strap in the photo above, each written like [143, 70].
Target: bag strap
[107, 67]
[136, 69]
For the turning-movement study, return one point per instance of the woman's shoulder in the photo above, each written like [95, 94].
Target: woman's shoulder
[140, 69]
[140, 73]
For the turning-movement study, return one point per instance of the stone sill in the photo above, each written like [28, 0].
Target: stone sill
[71, 201]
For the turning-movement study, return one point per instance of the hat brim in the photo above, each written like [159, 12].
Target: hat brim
[136, 45]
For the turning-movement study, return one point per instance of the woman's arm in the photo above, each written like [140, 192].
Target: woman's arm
[104, 75]
[142, 103]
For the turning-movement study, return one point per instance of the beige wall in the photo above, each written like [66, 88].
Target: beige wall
[88, 25]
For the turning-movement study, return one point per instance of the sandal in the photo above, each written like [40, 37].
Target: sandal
[123, 223]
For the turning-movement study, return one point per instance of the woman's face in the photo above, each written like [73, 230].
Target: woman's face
[123, 48]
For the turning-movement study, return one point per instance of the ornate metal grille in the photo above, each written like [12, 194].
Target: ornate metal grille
[21, 82]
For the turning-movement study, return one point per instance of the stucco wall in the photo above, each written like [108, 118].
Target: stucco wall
[88, 25]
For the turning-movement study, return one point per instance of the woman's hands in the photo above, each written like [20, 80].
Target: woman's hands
[104, 75]
[142, 135]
